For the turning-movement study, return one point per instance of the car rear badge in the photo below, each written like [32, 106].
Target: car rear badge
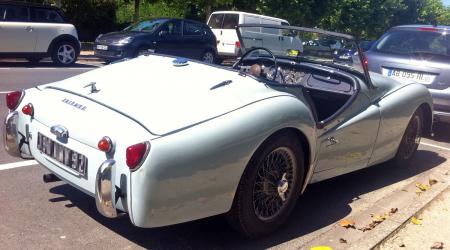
[178, 62]
[93, 87]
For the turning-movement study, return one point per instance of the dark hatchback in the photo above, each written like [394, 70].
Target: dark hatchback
[417, 53]
[177, 37]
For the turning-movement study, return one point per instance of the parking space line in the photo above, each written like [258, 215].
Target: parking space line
[18, 164]
[435, 146]
[4, 92]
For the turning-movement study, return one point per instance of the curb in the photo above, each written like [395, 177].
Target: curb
[403, 225]
[405, 199]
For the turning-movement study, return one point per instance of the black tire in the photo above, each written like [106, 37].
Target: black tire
[410, 140]
[64, 53]
[33, 60]
[208, 57]
[248, 215]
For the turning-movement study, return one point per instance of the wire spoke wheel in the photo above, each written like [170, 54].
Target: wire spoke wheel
[412, 137]
[274, 182]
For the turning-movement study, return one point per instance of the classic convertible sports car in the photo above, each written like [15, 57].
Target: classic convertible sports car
[167, 140]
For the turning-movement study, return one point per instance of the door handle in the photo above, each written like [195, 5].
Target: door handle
[29, 28]
[332, 141]
[221, 32]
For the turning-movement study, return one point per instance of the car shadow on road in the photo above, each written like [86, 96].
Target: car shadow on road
[44, 64]
[322, 204]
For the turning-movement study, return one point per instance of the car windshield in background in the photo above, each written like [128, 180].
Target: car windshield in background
[415, 42]
[301, 43]
[145, 26]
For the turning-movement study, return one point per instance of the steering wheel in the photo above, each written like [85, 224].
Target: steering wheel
[240, 62]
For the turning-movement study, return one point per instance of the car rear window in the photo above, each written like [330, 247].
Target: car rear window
[16, 14]
[192, 29]
[215, 21]
[230, 21]
[415, 42]
[45, 16]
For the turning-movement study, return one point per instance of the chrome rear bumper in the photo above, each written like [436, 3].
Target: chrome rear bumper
[105, 190]
[11, 134]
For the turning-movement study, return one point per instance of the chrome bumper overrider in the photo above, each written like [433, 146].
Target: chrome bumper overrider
[105, 189]
[11, 134]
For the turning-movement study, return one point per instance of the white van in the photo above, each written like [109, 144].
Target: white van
[223, 24]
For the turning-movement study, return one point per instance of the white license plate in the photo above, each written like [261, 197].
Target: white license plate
[102, 47]
[62, 154]
[409, 76]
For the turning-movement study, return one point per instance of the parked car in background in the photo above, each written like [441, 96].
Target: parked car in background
[178, 37]
[417, 53]
[202, 140]
[346, 53]
[224, 23]
[34, 31]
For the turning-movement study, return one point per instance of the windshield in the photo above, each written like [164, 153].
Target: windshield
[145, 26]
[411, 42]
[302, 43]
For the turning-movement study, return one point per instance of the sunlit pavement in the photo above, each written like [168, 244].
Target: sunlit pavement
[34, 215]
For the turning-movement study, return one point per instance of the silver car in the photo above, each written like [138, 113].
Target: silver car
[417, 53]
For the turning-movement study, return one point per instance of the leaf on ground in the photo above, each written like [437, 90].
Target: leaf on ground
[432, 182]
[402, 245]
[393, 211]
[437, 245]
[416, 221]
[342, 240]
[321, 248]
[378, 218]
[445, 209]
[347, 223]
[418, 192]
[422, 187]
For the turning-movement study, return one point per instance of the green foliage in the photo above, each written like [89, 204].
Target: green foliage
[147, 11]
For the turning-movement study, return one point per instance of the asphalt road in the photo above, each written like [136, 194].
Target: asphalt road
[34, 215]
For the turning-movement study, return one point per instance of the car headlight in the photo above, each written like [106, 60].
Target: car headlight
[123, 41]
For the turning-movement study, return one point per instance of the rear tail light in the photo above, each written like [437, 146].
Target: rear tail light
[13, 99]
[28, 109]
[136, 154]
[105, 144]
[237, 44]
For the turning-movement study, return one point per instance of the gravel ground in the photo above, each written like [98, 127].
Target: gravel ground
[435, 228]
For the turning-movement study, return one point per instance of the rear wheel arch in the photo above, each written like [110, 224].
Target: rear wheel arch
[67, 38]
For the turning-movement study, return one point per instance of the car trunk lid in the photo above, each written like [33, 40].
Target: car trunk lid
[163, 97]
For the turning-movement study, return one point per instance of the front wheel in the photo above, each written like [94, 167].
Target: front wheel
[410, 140]
[269, 187]
[64, 54]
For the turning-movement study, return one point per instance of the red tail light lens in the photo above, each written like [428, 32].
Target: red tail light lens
[365, 62]
[28, 109]
[105, 144]
[431, 29]
[13, 99]
[237, 44]
[136, 154]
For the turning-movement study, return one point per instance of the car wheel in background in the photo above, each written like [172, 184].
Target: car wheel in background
[410, 140]
[64, 53]
[269, 187]
[141, 52]
[208, 57]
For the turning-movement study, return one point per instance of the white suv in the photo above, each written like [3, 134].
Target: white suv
[37, 31]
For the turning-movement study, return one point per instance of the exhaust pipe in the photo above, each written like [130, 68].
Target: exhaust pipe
[50, 178]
